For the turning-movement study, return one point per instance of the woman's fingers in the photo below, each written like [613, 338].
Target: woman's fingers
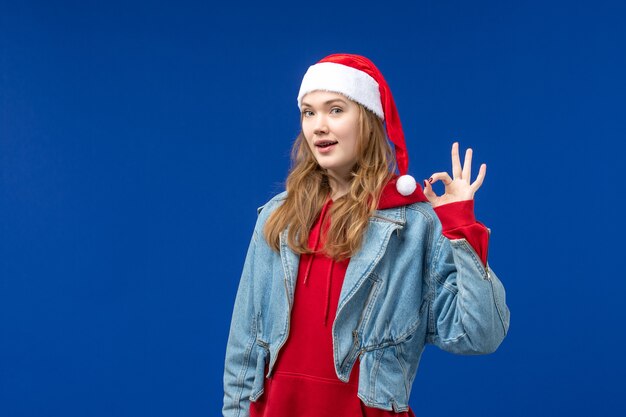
[467, 165]
[443, 176]
[440, 176]
[456, 161]
[459, 188]
[429, 192]
[479, 179]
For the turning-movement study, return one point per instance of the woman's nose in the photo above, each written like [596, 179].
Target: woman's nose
[321, 126]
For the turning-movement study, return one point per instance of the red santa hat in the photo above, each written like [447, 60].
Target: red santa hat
[357, 78]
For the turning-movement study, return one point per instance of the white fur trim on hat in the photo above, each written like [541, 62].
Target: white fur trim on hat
[353, 83]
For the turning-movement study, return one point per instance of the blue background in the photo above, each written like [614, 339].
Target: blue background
[137, 140]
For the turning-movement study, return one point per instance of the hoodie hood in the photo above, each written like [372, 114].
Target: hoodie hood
[390, 197]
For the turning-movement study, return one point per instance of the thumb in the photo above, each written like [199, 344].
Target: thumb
[428, 191]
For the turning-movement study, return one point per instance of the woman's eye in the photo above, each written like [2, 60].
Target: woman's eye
[336, 110]
[307, 113]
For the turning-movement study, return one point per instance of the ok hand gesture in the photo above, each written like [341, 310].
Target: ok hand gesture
[458, 188]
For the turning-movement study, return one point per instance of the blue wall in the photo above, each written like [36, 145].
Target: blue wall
[138, 138]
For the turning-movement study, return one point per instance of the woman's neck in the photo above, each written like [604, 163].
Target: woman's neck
[338, 186]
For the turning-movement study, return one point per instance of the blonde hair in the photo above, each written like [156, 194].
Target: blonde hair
[308, 188]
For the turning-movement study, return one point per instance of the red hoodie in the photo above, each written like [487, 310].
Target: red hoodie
[304, 382]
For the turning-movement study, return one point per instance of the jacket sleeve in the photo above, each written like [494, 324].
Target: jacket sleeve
[467, 305]
[240, 360]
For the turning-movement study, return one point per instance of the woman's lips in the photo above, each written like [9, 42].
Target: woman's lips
[325, 146]
[325, 149]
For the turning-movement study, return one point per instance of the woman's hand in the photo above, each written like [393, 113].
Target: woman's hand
[458, 188]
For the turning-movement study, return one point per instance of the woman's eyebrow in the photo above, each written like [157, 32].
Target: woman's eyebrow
[326, 103]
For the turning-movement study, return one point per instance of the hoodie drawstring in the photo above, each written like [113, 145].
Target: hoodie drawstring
[332, 262]
[317, 241]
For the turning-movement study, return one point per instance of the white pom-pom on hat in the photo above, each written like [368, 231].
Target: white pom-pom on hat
[405, 184]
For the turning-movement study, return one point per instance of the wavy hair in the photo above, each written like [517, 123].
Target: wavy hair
[308, 188]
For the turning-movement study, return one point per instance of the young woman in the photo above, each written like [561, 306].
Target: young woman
[353, 269]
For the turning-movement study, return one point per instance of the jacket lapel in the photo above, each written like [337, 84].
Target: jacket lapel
[375, 242]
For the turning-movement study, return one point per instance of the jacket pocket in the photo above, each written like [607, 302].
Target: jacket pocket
[259, 372]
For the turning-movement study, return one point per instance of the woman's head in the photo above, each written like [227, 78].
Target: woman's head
[358, 79]
[341, 136]
[344, 102]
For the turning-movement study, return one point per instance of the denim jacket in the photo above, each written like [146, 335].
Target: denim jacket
[408, 285]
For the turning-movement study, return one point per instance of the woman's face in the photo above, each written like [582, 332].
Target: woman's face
[330, 124]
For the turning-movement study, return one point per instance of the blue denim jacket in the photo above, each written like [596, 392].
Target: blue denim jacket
[408, 285]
